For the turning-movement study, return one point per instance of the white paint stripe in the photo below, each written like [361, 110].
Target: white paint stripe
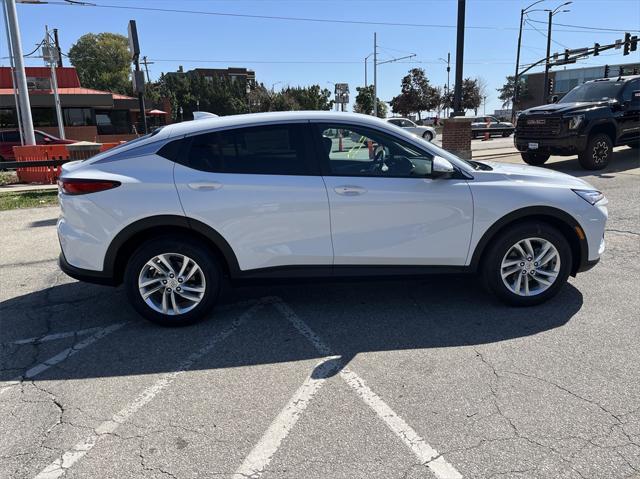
[55, 336]
[424, 452]
[260, 456]
[61, 356]
[59, 467]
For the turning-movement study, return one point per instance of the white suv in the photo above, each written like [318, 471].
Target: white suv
[314, 194]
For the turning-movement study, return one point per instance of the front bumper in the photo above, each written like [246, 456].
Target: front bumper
[561, 145]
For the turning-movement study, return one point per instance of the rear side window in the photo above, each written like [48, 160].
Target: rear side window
[261, 150]
[11, 136]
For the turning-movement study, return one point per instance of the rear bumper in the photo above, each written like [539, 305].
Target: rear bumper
[86, 275]
[564, 145]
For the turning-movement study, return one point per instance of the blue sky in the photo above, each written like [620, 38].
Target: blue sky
[335, 52]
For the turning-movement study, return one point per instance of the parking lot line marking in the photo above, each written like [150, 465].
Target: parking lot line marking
[54, 336]
[260, 456]
[61, 465]
[424, 452]
[61, 356]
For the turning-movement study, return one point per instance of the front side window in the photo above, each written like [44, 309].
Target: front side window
[596, 91]
[632, 86]
[261, 150]
[357, 151]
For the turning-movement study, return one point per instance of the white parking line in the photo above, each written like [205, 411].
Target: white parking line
[260, 456]
[54, 336]
[424, 452]
[59, 467]
[61, 356]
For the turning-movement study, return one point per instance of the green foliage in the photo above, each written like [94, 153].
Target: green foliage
[471, 97]
[506, 91]
[364, 102]
[102, 61]
[417, 95]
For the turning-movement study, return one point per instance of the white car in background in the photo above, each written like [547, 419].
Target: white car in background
[314, 195]
[425, 132]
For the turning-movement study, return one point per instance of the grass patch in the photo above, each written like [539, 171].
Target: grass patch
[28, 199]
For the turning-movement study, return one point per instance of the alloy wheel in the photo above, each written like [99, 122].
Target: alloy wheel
[530, 266]
[172, 284]
[600, 152]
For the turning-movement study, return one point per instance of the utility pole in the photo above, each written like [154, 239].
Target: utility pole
[56, 41]
[375, 74]
[146, 64]
[457, 95]
[50, 58]
[29, 137]
[447, 87]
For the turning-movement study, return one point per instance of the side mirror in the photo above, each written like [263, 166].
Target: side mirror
[441, 168]
[554, 99]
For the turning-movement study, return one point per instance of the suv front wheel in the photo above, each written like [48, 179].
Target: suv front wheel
[527, 264]
[172, 282]
[535, 158]
[598, 153]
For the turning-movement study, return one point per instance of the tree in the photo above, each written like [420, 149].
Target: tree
[102, 61]
[310, 98]
[416, 95]
[364, 102]
[506, 91]
[471, 98]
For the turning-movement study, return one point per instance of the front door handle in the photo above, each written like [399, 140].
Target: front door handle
[204, 185]
[350, 190]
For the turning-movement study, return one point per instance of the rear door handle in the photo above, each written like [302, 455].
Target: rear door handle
[204, 185]
[350, 190]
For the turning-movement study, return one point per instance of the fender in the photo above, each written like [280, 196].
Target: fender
[527, 213]
[160, 221]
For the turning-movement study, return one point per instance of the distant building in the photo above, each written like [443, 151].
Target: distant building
[565, 80]
[232, 73]
[88, 114]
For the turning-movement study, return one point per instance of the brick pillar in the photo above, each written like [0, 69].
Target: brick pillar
[456, 136]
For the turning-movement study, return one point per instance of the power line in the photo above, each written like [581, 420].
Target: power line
[601, 29]
[318, 62]
[544, 35]
[284, 18]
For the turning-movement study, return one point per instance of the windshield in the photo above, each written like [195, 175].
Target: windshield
[597, 91]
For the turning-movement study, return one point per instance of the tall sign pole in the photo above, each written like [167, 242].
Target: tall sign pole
[138, 76]
[14, 82]
[546, 64]
[457, 93]
[29, 137]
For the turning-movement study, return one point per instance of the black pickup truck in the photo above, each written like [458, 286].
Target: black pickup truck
[588, 121]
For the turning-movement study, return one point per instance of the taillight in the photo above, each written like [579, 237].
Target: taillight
[73, 186]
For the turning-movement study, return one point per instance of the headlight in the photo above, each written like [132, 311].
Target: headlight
[590, 196]
[575, 121]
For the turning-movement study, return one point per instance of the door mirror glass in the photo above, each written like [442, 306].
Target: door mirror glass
[554, 99]
[441, 167]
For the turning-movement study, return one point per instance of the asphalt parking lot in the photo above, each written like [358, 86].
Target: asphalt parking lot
[410, 379]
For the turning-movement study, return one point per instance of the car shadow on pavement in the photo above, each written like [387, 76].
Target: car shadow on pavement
[351, 318]
[623, 160]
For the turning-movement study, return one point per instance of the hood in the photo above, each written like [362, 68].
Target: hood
[533, 174]
[565, 107]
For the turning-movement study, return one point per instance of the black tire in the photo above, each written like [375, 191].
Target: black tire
[501, 245]
[427, 136]
[598, 153]
[534, 158]
[506, 134]
[197, 252]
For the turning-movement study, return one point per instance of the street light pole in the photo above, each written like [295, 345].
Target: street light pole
[21, 77]
[448, 89]
[515, 76]
[546, 63]
[53, 61]
[375, 74]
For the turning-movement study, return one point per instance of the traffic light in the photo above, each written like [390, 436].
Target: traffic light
[620, 71]
[606, 71]
[630, 43]
[596, 49]
[550, 87]
[633, 43]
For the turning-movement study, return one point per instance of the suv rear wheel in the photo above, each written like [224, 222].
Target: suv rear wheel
[172, 282]
[427, 136]
[527, 264]
[598, 153]
[535, 158]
